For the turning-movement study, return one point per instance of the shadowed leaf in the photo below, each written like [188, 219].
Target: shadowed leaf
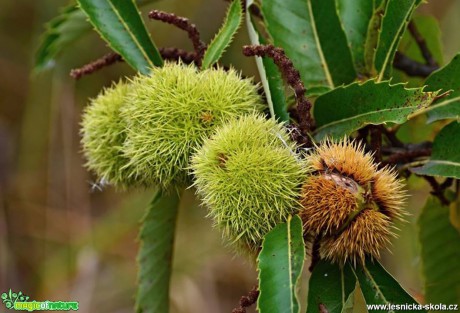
[120, 25]
[61, 32]
[355, 16]
[379, 287]
[396, 16]
[447, 78]
[330, 287]
[440, 244]
[318, 50]
[346, 109]
[225, 35]
[445, 158]
[155, 254]
[280, 264]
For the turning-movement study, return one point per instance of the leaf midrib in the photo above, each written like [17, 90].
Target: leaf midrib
[444, 162]
[363, 114]
[318, 45]
[128, 29]
[393, 42]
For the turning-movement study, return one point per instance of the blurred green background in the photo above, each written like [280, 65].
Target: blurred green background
[63, 239]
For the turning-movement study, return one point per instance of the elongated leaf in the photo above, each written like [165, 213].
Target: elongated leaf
[63, 30]
[379, 287]
[155, 254]
[318, 50]
[440, 243]
[396, 16]
[372, 37]
[276, 88]
[225, 35]
[445, 158]
[346, 109]
[355, 16]
[280, 264]
[60, 32]
[119, 23]
[330, 287]
[447, 78]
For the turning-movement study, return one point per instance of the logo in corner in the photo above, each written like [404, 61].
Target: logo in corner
[19, 301]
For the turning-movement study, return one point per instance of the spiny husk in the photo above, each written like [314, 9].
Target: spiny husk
[172, 111]
[249, 177]
[348, 203]
[321, 193]
[103, 134]
[369, 233]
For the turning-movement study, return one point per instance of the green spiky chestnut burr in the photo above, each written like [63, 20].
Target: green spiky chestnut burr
[249, 177]
[103, 133]
[172, 111]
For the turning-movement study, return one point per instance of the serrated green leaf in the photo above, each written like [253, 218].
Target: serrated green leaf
[440, 245]
[355, 16]
[396, 16]
[280, 264]
[225, 35]
[447, 78]
[379, 287]
[120, 25]
[155, 254]
[372, 37]
[60, 32]
[318, 50]
[330, 287]
[63, 30]
[445, 158]
[349, 108]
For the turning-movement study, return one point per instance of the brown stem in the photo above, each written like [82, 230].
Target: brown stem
[247, 301]
[184, 24]
[106, 60]
[315, 257]
[437, 190]
[391, 135]
[406, 156]
[421, 44]
[174, 54]
[292, 77]
[411, 67]
[376, 143]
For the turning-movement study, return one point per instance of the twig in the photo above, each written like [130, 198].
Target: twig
[437, 190]
[447, 183]
[376, 143]
[406, 156]
[421, 44]
[391, 135]
[106, 60]
[184, 24]
[174, 54]
[362, 135]
[247, 301]
[292, 77]
[315, 257]
[411, 67]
